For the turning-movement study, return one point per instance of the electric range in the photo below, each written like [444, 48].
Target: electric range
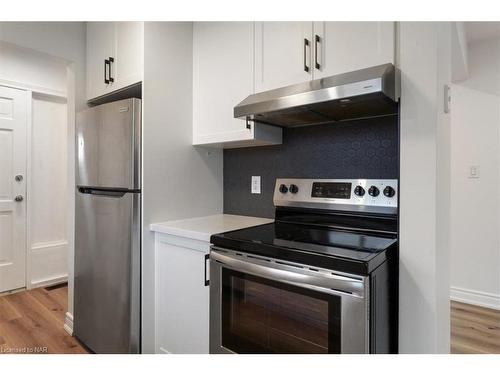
[323, 278]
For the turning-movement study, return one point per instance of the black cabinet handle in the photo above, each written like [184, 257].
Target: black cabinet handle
[306, 43]
[207, 257]
[249, 126]
[317, 40]
[106, 69]
[111, 61]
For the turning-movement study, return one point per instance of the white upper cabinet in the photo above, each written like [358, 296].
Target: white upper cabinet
[340, 47]
[114, 56]
[292, 52]
[223, 75]
[232, 60]
[283, 54]
[100, 46]
[129, 53]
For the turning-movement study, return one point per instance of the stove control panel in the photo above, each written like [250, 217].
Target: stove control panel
[338, 190]
[377, 196]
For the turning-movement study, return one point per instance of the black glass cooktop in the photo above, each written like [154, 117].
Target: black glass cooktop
[306, 243]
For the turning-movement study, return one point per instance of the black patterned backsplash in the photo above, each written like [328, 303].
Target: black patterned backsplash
[355, 149]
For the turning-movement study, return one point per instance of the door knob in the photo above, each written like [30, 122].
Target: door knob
[19, 198]
[19, 178]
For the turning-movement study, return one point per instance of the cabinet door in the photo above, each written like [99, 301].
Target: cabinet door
[182, 300]
[283, 54]
[128, 65]
[222, 77]
[100, 46]
[347, 46]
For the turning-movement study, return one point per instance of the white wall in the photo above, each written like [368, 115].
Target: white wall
[484, 67]
[179, 180]
[475, 112]
[459, 53]
[48, 242]
[424, 55]
[32, 69]
[65, 40]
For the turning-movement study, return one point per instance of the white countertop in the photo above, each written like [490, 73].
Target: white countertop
[201, 228]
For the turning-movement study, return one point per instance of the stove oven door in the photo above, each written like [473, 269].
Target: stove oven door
[260, 305]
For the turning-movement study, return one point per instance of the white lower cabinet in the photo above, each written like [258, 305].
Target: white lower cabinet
[182, 298]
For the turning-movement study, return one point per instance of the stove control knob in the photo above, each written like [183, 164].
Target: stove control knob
[359, 191]
[389, 192]
[294, 189]
[373, 191]
[283, 189]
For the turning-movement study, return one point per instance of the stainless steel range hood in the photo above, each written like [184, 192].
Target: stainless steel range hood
[363, 93]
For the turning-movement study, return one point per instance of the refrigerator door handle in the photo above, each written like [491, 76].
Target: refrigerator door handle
[116, 193]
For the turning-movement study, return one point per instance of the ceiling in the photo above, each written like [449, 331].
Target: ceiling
[479, 31]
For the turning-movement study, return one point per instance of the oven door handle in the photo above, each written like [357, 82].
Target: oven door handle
[325, 283]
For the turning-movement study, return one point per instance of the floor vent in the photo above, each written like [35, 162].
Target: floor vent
[57, 286]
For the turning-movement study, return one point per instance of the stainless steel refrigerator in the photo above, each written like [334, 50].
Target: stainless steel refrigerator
[107, 227]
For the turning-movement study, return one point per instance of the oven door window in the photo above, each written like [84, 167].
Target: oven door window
[266, 316]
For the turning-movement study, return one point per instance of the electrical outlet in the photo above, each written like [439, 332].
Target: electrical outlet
[255, 185]
[474, 171]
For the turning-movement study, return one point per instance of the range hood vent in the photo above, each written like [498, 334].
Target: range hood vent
[370, 92]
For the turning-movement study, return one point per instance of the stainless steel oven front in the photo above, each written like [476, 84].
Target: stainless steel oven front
[265, 305]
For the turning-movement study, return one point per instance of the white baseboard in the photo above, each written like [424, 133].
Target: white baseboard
[474, 297]
[48, 282]
[68, 323]
[48, 244]
[12, 292]
[47, 264]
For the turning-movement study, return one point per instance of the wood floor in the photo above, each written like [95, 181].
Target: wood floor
[474, 329]
[32, 322]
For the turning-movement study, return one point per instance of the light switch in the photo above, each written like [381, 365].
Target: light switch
[255, 184]
[474, 171]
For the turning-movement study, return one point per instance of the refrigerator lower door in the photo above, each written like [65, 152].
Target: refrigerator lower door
[107, 270]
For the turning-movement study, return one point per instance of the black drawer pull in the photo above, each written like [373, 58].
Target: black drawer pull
[107, 67]
[207, 258]
[317, 40]
[111, 61]
[306, 43]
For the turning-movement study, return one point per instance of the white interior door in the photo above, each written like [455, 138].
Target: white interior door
[13, 110]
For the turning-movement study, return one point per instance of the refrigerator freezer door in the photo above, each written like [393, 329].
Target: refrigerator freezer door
[107, 271]
[108, 145]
